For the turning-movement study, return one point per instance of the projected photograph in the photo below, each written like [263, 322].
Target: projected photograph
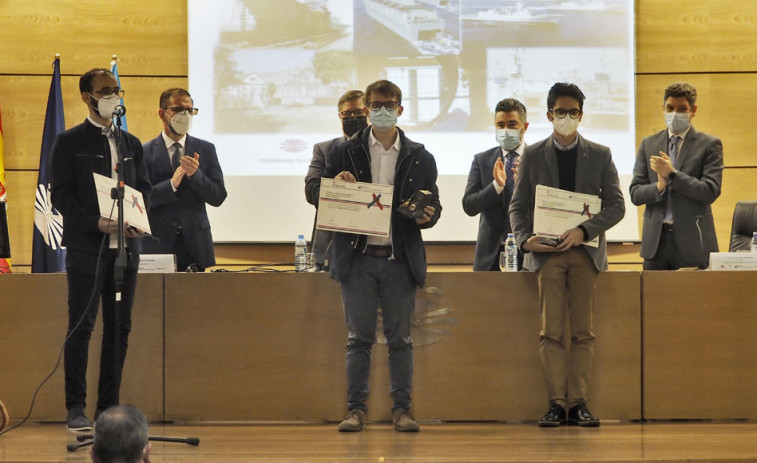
[268, 75]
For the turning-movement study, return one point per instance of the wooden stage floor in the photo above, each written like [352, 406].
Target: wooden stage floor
[437, 442]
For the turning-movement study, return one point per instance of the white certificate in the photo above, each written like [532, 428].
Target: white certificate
[364, 208]
[557, 211]
[135, 212]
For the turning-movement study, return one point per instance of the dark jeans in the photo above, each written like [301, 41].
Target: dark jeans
[379, 282]
[85, 278]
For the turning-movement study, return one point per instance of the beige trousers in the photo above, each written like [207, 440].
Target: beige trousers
[566, 295]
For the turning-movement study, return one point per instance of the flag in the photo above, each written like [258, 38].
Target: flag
[5, 265]
[114, 70]
[48, 256]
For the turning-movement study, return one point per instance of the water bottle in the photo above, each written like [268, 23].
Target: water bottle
[300, 254]
[511, 254]
[753, 246]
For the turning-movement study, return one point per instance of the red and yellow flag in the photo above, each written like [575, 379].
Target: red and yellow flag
[5, 264]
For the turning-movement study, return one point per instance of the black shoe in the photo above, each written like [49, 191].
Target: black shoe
[579, 415]
[77, 421]
[554, 417]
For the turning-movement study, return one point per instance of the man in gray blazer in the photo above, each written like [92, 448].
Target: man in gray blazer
[491, 183]
[567, 271]
[677, 175]
[350, 107]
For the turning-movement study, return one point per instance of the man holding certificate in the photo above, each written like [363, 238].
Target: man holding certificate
[376, 270]
[567, 264]
[92, 147]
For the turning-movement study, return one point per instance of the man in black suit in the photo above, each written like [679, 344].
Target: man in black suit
[92, 147]
[491, 182]
[185, 174]
[350, 107]
[677, 176]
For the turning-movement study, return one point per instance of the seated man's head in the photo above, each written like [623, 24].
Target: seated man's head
[121, 436]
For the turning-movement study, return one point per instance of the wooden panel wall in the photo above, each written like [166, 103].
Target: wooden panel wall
[34, 318]
[235, 350]
[710, 44]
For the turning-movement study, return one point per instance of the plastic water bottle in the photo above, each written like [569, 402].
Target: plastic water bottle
[753, 246]
[511, 253]
[300, 254]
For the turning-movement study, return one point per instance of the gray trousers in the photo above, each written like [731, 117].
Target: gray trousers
[378, 282]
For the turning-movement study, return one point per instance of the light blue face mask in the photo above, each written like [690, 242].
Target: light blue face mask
[677, 122]
[383, 120]
[508, 139]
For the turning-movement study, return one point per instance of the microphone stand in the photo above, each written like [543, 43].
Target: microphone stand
[117, 193]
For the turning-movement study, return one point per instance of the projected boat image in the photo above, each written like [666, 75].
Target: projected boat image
[517, 14]
[583, 5]
[420, 26]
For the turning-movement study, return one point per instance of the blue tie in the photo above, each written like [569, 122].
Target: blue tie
[509, 186]
[673, 155]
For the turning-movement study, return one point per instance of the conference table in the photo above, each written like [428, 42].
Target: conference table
[271, 347]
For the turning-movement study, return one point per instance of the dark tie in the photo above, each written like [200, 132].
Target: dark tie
[509, 186]
[176, 155]
[673, 155]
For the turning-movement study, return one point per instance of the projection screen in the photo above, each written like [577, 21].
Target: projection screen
[267, 75]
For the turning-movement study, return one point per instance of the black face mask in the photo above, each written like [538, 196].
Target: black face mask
[352, 125]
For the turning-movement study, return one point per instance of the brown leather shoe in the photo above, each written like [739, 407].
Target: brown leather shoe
[403, 422]
[354, 422]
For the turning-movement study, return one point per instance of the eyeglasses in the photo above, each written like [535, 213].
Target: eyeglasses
[389, 105]
[182, 110]
[355, 113]
[107, 92]
[561, 113]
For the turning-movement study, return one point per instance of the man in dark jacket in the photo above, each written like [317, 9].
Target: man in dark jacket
[185, 174]
[382, 272]
[92, 147]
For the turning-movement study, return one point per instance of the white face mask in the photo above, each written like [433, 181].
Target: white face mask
[508, 139]
[383, 119]
[677, 122]
[106, 105]
[565, 126]
[181, 122]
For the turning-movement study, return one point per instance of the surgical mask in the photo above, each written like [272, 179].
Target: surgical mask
[181, 122]
[383, 119]
[508, 139]
[107, 105]
[352, 125]
[677, 122]
[565, 126]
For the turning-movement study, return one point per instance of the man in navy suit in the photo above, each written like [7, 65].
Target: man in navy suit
[491, 183]
[185, 174]
[350, 107]
[567, 272]
[677, 175]
[93, 147]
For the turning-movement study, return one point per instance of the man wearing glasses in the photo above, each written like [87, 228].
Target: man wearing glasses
[567, 270]
[353, 119]
[677, 176]
[93, 147]
[382, 272]
[185, 174]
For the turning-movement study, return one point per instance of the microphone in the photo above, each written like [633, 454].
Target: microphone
[119, 111]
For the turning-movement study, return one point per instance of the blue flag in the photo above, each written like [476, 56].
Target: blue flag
[114, 70]
[48, 256]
